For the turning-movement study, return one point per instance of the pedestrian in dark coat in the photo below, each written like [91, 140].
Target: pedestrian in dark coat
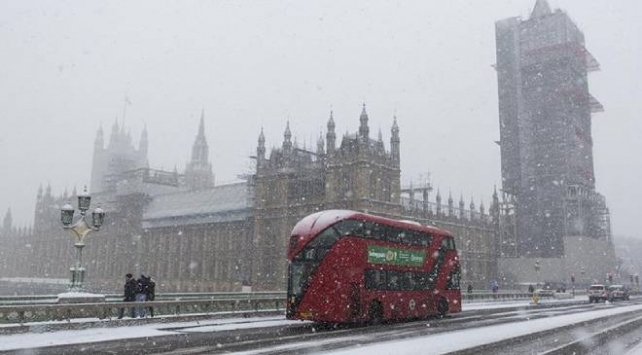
[141, 294]
[129, 295]
[151, 293]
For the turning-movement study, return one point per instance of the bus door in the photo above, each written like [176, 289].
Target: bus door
[355, 300]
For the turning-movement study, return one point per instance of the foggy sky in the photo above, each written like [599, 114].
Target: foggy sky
[67, 66]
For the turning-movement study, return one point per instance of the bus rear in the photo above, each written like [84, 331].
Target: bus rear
[346, 266]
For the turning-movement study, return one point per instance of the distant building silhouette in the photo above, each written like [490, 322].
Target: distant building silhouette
[119, 156]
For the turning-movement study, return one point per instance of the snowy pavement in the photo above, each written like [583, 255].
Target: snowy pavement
[436, 344]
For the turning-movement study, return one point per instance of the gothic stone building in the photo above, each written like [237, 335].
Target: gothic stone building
[192, 235]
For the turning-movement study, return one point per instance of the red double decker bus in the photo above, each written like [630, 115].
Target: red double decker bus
[346, 266]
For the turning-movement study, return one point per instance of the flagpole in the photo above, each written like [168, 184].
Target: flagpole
[125, 103]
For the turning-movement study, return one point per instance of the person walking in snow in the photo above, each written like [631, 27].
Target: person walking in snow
[129, 296]
[141, 294]
[151, 294]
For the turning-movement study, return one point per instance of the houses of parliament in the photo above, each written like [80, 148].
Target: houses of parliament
[191, 234]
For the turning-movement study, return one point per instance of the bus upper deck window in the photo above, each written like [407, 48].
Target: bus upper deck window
[448, 243]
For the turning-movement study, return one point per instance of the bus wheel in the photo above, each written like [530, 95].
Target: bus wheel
[442, 307]
[375, 312]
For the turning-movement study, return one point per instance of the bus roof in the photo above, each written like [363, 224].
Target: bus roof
[316, 222]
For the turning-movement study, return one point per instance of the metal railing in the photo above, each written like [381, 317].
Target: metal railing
[107, 310]
[27, 309]
[53, 299]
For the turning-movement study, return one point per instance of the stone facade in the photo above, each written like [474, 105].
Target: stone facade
[192, 235]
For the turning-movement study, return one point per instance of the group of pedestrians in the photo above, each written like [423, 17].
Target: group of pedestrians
[138, 290]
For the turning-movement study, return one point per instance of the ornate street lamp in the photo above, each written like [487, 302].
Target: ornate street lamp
[79, 230]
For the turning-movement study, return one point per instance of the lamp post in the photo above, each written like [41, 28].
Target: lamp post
[537, 267]
[79, 230]
[582, 272]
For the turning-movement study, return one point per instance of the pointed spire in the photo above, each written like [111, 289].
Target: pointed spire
[331, 122]
[7, 221]
[287, 134]
[200, 149]
[364, 131]
[198, 173]
[395, 127]
[395, 150]
[260, 149]
[201, 127]
[380, 135]
[100, 138]
[287, 138]
[261, 138]
[541, 9]
[115, 131]
[331, 136]
[320, 144]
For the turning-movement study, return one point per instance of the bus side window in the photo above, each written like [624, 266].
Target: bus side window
[421, 280]
[375, 279]
[368, 229]
[409, 281]
[378, 232]
[309, 254]
[427, 238]
[350, 227]
[394, 280]
[454, 279]
[448, 243]
[418, 238]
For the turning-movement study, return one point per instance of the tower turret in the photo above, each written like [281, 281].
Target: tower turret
[287, 140]
[7, 221]
[99, 142]
[395, 143]
[260, 149]
[320, 145]
[364, 131]
[198, 174]
[331, 136]
[115, 134]
[541, 9]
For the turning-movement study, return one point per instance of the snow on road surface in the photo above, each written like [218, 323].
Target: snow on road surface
[476, 336]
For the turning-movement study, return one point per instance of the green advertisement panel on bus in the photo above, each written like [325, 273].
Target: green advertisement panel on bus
[395, 256]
